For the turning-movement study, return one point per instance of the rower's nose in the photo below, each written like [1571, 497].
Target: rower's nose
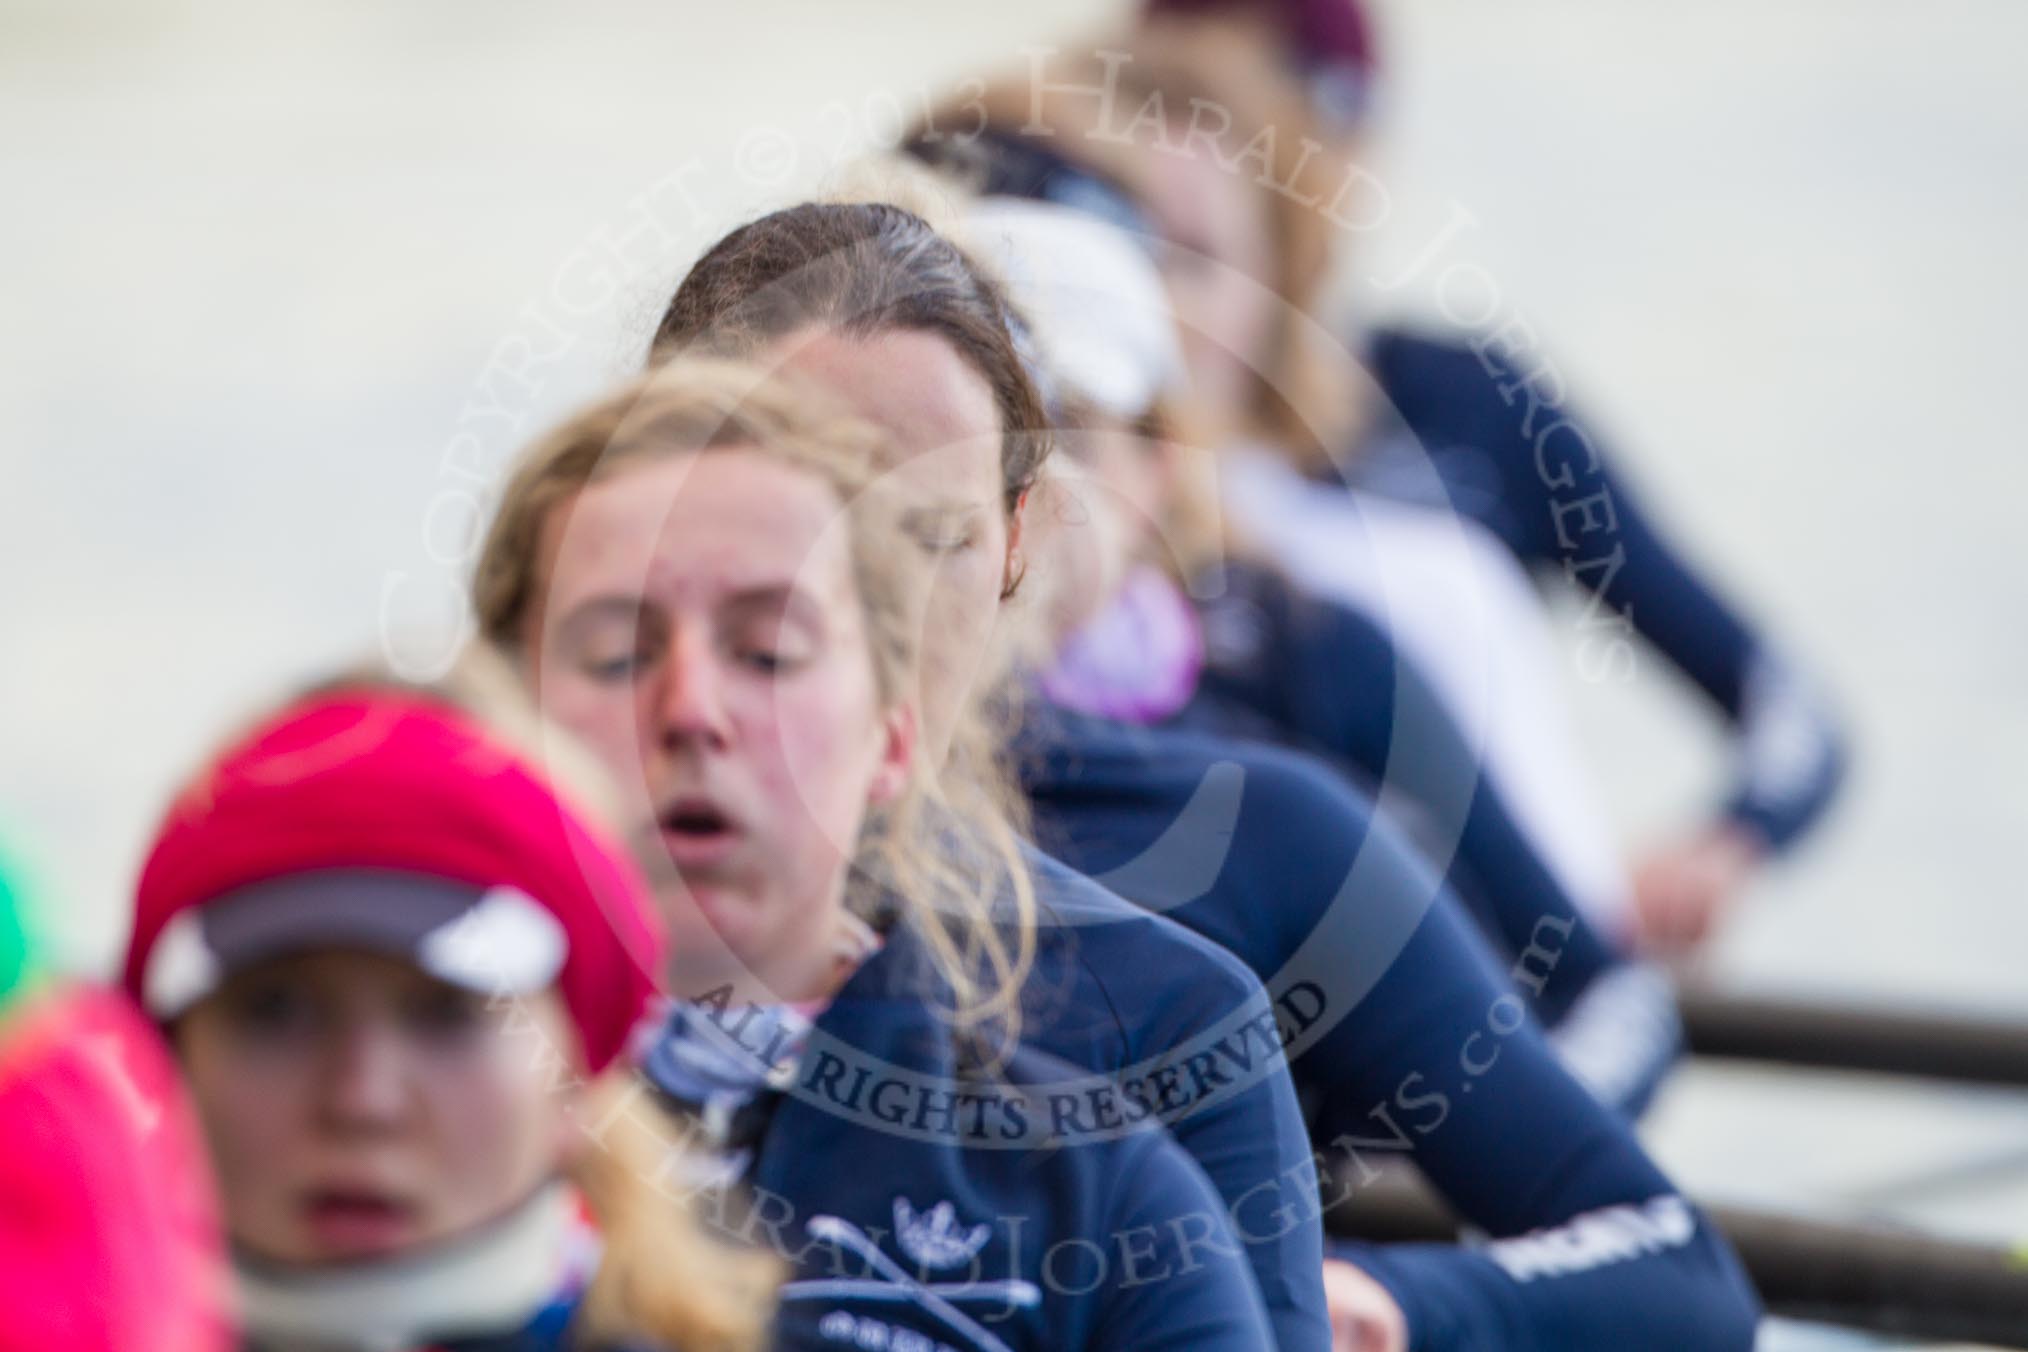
[690, 706]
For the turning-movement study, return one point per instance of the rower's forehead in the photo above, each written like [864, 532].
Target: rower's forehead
[710, 522]
[916, 387]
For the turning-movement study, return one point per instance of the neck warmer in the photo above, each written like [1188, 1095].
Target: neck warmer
[496, 1280]
[725, 1067]
[725, 1064]
[1138, 660]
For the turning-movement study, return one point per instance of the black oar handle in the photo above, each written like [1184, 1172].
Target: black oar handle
[1881, 1281]
[1963, 1049]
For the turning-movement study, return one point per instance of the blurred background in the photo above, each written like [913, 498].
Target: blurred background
[287, 284]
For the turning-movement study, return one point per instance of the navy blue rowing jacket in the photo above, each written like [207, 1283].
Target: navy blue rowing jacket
[1129, 994]
[1508, 452]
[929, 1201]
[1126, 1002]
[1412, 1044]
[1325, 678]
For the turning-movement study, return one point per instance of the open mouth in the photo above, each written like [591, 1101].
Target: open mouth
[697, 833]
[355, 1223]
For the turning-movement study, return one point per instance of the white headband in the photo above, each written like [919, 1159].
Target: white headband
[1092, 298]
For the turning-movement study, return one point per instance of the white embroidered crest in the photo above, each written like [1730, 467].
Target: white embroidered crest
[886, 1281]
[934, 1238]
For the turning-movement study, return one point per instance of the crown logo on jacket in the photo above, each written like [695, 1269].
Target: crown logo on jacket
[934, 1238]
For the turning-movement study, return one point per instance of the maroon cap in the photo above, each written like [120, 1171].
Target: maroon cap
[1330, 43]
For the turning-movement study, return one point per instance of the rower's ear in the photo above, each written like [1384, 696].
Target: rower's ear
[898, 736]
[1013, 566]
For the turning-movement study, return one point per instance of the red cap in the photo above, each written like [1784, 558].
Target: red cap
[383, 819]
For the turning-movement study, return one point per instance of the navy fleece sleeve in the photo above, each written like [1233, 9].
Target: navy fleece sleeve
[1400, 1030]
[1416, 742]
[1431, 1055]
[1339, 681]
[1526, 465]
[1166, 986]
[1438, 1062]
[1180, 1280]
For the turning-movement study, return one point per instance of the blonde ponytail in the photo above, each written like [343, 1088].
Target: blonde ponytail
[664, 1277]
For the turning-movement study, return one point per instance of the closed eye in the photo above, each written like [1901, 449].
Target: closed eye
[611, 639]
[944, 533]
[773, 630]
[614, 669]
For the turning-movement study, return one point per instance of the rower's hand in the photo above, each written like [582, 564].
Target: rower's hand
[1364, 1318]
[1684, 891]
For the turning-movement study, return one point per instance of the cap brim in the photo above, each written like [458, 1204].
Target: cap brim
[495, 939]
